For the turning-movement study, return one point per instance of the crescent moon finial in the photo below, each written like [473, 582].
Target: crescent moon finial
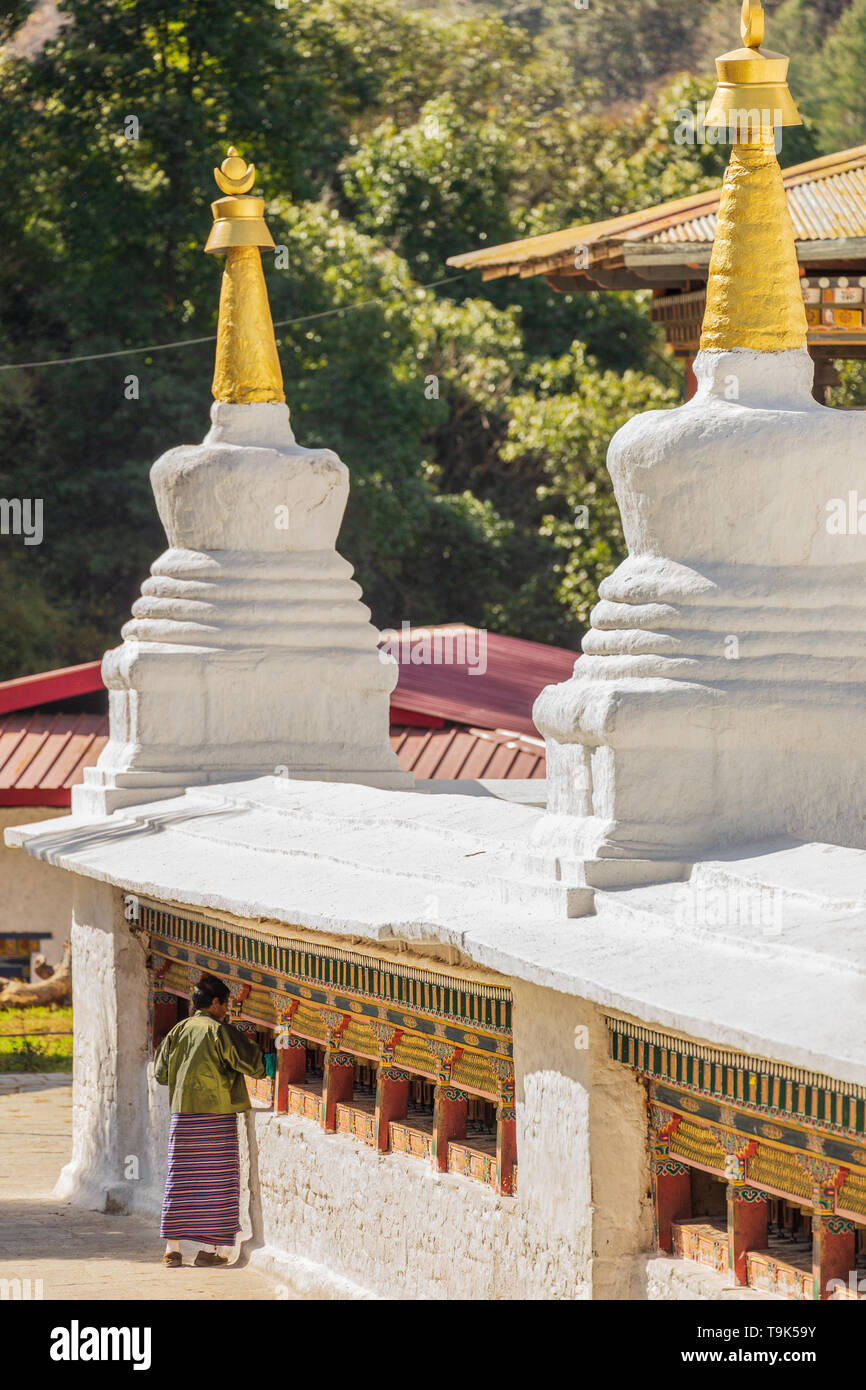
[234, 174]
[752, 23]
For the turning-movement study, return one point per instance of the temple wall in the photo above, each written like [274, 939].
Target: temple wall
[667, 1278]
[336, 1219]
[34, 896]
[331, 1217]
[112, 1143]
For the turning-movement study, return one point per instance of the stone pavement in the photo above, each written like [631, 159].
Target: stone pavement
[80, 1254]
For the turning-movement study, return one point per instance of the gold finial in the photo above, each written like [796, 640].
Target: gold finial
[753, 289]
[234, 174]
[247, 368]
[751, 24]
[752, 96]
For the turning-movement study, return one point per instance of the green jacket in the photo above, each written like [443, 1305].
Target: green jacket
[203, 1062]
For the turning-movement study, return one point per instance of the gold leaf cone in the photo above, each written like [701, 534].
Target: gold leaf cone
[247, 367]
[754, 299]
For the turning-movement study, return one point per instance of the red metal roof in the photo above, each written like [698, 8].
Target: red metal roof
[456, 752]
[42, 689]
[452, 718]
[42, 756]
[499, 694]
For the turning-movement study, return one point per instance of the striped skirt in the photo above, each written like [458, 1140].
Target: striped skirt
[202, 1191]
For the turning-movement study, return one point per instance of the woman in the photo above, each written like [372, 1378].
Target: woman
[203, 1061]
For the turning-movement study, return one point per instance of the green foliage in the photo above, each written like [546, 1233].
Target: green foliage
[622, 49]
[838, 79]
[559, 432]
[40, 1049]
[475, 417]
[851, 391]
[408, 186]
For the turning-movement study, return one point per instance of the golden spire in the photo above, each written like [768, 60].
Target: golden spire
[247, 368]
[753, 290]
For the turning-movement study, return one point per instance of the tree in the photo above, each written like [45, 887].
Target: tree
[385, 139]
[562, 429]
[415, 186]
[838, 78]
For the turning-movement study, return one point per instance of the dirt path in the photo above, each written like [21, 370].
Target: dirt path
[79, 1254]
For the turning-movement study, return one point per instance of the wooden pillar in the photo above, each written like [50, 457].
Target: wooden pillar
[506, 1125]
[833, 1252]
[291, 1070]
[825, 378]
[747, 1226]
[449, 1122]
[392, 1102]
[506, 1148]
[691, 379]
[338, 1085]
[672, 1198]
[164, 1017]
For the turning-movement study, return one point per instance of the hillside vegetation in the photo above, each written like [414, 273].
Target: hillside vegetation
[474, 418]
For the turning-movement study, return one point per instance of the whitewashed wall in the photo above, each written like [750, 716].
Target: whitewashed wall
[333, 1218]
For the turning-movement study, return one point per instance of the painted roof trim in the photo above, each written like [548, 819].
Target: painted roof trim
[540, 254]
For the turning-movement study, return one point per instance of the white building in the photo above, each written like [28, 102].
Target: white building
[610, 1047]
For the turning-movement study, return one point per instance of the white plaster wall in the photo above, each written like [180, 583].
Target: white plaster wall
[111, 1150]
[34, 896]
[668, 1278]
[336, 1219]
[332, 1217]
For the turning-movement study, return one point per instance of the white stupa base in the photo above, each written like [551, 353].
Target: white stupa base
[719, 700]
[249, 652]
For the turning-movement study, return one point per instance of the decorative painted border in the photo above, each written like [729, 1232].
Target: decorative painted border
[754, 1126]
[752, 1086]
[298, 965]
[406, 1138]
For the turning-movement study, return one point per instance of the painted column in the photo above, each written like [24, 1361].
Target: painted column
[291, 1070]
[671, 1182]
[833, 1252]
[338, 1085]
[691, 381]
[747, 1226]
[672, 1198]
[449, 1122]
[834, 1240]
[392, 1102]
[506, 1148]
[506, 1127]
[164, 1017]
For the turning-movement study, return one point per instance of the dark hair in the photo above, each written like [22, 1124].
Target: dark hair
[207, 990]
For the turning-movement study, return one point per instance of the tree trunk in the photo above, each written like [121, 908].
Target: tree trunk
[41, 969]
[57, 989]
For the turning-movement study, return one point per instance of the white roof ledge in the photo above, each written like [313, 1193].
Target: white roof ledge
[762, 951]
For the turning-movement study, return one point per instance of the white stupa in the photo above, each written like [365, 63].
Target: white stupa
[249, 652]
[655, 985]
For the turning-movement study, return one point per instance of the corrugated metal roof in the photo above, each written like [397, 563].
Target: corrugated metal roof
[826, 196]
[42, 756]
[821, 211]
[474, 715]
[457, 753]
[496, 693]
[26, 691]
